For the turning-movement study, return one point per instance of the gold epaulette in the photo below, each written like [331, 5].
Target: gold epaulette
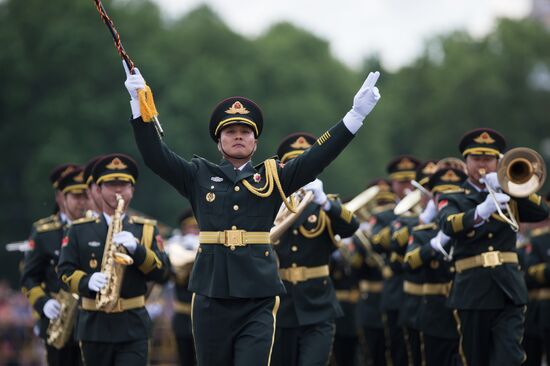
[333, 196]
[85, 220]
[45, 220]
[142, 220]
[451, 191]
[540, 231]
[50, 226]
[425, 227]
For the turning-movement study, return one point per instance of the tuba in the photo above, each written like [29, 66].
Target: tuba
[114, 262]
[359, 204]
[520, 172]
[61, 328]
[285, 218]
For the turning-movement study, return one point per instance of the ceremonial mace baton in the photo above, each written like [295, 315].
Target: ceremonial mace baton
[122, 52]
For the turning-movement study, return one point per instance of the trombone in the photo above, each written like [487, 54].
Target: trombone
[520, 172]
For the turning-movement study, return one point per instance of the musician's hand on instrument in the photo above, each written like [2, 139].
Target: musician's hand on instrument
[127, 239]
[97, 281]
[363, 103]
[438, 243]
[491, 179]
[489, 206]
[52, 309]
[429, 213]
[319, 196]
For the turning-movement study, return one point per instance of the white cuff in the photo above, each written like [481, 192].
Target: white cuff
[353, 121]
[327, 205]
[136, 111]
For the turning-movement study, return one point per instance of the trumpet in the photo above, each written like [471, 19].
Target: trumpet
[520, 172]
[285, 218]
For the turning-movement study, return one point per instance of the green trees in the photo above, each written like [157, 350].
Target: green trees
[62, 96]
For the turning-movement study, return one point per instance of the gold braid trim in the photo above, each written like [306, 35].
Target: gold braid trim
[271, 180]
[317, 230]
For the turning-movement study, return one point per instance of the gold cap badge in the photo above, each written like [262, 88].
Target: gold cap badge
[116, 164]
[237, 108]
[80, 177]
[430, 168]
[405, 164]
[484, 138]
[300, 143]
[450, 176]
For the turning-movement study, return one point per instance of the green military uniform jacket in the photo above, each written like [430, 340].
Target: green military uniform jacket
[538, 277]
[485, 288]
[433, 317]
[344, 281]
[220, 201]
[81, 256]
[39, 280]
[312, 301]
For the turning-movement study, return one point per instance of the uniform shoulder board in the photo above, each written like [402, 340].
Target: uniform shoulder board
[49, 226]
[540, 231]
[431, 226]
[258, 166]
[85, 220]
[333, 196]
[142, 220]
[457, 190]
[45, 220]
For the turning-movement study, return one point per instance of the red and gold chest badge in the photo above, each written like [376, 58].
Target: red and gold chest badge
[160, 242]
[65, 241]
[257, 177]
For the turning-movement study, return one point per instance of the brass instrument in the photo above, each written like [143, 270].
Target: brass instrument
[409, 202]
[285, 218]
[182, 261]
[114, 262]
[520, 172]
[358, 205]
[61, 328]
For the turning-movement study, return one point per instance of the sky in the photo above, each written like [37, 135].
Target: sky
[395, 30]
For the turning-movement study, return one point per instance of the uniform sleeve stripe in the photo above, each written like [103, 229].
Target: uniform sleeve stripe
[457, 221]
[34, 294]
[150, 263]
[73, 280]
[346, 215]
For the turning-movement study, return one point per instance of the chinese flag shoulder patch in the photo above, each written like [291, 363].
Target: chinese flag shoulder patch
[32, 244]
[160, 242]
[65, 241]
[442, 204]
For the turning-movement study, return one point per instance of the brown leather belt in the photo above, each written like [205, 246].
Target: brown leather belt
[371, 286]
[122, 304]
[234, 238]
[487, 259]
[301, 274]
[182, 307]
[348, 295]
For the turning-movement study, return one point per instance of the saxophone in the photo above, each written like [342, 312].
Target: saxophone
[60, 329]
[114, 262]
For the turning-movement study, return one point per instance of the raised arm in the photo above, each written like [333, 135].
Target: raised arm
[310, 164]
[156, 155]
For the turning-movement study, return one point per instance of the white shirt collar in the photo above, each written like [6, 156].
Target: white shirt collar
[108, 218]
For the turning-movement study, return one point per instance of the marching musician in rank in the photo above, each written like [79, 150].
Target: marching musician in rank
[39, 281]
[305, 326]
[489, 291]
[235, 277]
[107, 261]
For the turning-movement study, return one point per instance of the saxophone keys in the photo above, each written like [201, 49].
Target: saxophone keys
[123, 259]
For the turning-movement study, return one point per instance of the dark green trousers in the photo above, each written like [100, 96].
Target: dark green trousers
[66, 356]
[237, 332]
[344, 351]
[373, 341]
[397, 346]
[493, 337]
[186, 351]
[307, 345]
[133, 353]
[440, 351]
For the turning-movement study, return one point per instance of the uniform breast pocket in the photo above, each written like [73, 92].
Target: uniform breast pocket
[212, 197]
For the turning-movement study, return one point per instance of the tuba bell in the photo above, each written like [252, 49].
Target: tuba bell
[285, 217]
[521, 172]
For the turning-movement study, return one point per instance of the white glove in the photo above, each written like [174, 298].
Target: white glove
[97, 281]
[438, 241]
[153, 309]
[363, 103]
[52, 308]
[491, 179]
[133, 83]
[127, 239]
[319, 196]
[487, 207]
[429, 212]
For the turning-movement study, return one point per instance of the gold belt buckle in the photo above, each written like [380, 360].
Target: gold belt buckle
[491, 259]
[234, 238]
[296, 274]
